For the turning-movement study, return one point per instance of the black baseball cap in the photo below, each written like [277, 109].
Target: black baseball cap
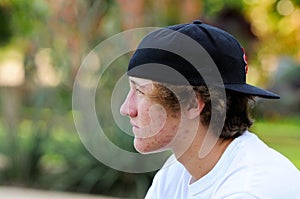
[194, 54]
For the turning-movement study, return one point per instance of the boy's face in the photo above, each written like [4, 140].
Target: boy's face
[153, 127]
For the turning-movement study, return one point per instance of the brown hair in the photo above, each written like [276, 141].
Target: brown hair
[235, 106]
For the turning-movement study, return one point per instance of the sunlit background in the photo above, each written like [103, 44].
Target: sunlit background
[43, 42]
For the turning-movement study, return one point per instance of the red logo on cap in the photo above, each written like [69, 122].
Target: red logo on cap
[245, 60]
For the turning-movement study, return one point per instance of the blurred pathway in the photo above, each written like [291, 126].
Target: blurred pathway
[23, 193]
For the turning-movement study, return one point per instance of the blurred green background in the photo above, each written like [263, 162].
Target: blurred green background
[43, 42]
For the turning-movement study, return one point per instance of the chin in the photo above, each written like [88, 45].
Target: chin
[144, 147]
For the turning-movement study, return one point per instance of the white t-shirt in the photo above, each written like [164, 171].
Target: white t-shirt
[247, 169]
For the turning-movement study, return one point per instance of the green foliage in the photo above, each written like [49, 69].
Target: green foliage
[52, 157]
[28, 17]
[283, 135]
[5, 21]
[214, 7]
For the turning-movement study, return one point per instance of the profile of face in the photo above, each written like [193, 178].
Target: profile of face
[153, 127]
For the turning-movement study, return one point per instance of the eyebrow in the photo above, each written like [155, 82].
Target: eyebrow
[133, 82]
[136, 84]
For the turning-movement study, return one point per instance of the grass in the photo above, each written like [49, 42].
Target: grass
[281, 135]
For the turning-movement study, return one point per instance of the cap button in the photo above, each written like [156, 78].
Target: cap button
[197, 22]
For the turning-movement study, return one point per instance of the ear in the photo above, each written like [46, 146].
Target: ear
[194, 109]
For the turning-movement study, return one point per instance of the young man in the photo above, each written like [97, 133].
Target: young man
[188, 93]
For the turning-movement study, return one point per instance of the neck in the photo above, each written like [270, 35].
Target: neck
[199, 164]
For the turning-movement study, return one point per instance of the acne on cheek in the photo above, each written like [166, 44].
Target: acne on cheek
[145, 147]
[160, 140]
[164, 138]
[157, 110]
[162, 117]
[174, 128]
[147, 110]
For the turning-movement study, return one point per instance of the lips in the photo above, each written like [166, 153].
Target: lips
[133, 124]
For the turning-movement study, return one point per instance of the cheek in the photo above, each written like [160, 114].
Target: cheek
[158, 116]
[166, 135]
[143, 112]
[153, 117]
[158, 142]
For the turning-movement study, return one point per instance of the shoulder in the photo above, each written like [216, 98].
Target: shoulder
[254, 154]
[259, 170]
[252, 151]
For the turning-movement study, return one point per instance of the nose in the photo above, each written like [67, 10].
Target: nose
[128, 107]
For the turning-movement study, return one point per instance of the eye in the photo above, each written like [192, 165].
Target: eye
[139, 92]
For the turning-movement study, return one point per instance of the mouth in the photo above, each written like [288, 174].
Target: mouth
[134, 125]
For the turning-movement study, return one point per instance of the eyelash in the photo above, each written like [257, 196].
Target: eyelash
[139, 91]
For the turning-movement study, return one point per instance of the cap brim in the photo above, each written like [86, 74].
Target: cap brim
[251, 90]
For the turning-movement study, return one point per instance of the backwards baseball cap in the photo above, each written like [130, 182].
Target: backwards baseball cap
[194, 54]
